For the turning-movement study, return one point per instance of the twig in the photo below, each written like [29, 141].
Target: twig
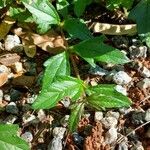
[121, 139]
[146, 98]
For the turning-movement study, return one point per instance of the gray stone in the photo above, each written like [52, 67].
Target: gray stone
[7, 97]
[31, 99]
[109, 77]
[121, 89]
[125, 110]
[15, 95]
[109, 122]
[136, 42]
[64, 121]
[66, 102]
[145, 83]
[10, 119]
[98, 71]
[111, 136]
[122, 146]
[55, 144]
[30, 119]
[113, 114]
[147, 115]
[41, 115]
[12, 108]
[1, 95]
[138, 52]
[11, 42]
[59, 132]
[144, 72]
[138, 118]
[121, 78]
[137, 146]
[27, 136]
[98, 116]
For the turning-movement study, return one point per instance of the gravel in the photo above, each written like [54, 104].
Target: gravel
[27, 136]
[121, 89]
[1, 95]
[98, 116]
[143, 84]
[55, 144]
[147, 115]
[12, 108]
[59, 132]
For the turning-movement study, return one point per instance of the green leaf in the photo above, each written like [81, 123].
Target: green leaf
[80, 5]
[62, 7]
[62, 86]
[105, 96]
[44, 13]
[141, 14]
[56, 66]
[10, 140]
[77, 29]
[20, 14]
[113, 4]
[4, 3]
[96, 49]
[76, 113]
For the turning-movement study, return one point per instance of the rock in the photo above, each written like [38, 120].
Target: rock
[64, 121]
[125, 110]
[136, 42]
[98, 71]
[41, 115]
[98, 116]
[7, 97]
[144, 72]
[3, 68]
[144, 84]
[26, 107]
[11, 42]
[55, 144]
[10, 119]
[111, 136]
[30, 119]
[121, 90]
[12, 108]
[138, 52]
[24, 80]
[113, 114]
[137, 146]
[109, 122]
[66, 102]
[121, 78]
[1, 95]
[15, 95]
[31, 99]
[120, 42]
[30, 68]
[109, 77]
[147, 115]
[77, 138]
[137, 118]
[27, 136]
[148, 133]
[59, 132]
[17, 67]
[123, 146]
[3, 78]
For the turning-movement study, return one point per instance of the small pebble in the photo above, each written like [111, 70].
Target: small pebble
[59, 132]
[137, 146]
[17, 67]
[10, 119]
[4, 69]
[27, 136]
[30, 119]
[144, 84]
[1, 95]
[121, 78]
[109, 122]
[121, 90]
[15, 95]
[55, 144]
[41, 115]
[111, 136]
[66, 102]
[12, 108]
[77, 138]
[109, 77]
[31, 99]
[64, 121]
[7, 97]
[113, 114]
[147, 115]
[144, 72]
[98, 116]
[11, 42]
[137, 118]
[98, 71]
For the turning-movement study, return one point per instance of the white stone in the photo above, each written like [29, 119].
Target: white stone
[121, 78]
[30, 119]
[122, 146]
[1, 95]
[145, 83]
[98, 116]
[7, 97]
[55, 144]
[147, 115]
[59, 132]
[41, 115]
[111, 136]
[64, 121]
[121, 90]
[17, 67]
[109, 122]
[113, 114]
[11, 41]
[27, 136]
[12, 108]
[4, 69]
[10, 119]
[145, 72]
